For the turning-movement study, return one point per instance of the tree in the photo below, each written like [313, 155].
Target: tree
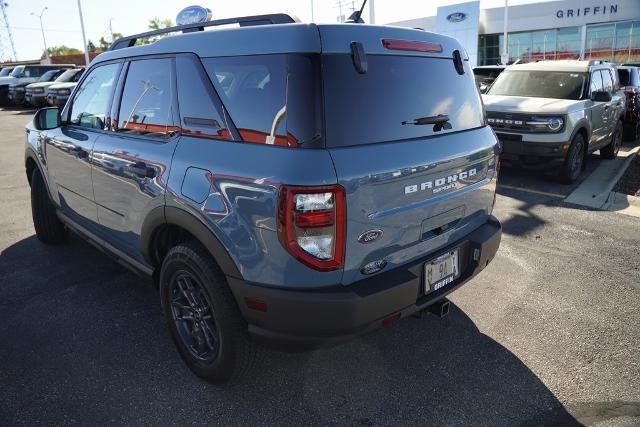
[103, 44]
[90, 46]
[61, 50]
[158, 24]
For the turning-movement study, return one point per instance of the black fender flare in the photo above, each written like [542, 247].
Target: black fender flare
[169, 215]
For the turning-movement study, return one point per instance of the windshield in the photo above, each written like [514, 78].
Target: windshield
[540, 84]
[5, 72]
[427, 94]
[17, 71]
[66, 76]
[48, 76]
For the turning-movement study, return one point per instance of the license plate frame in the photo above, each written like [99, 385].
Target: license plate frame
[442, 270]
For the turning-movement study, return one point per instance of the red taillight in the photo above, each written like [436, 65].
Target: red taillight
[412, 45]
[311, 225]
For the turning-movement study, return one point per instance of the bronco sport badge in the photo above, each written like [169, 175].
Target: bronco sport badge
[441, 184]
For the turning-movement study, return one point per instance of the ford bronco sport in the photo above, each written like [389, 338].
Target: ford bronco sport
[286, 183]
[552, 114]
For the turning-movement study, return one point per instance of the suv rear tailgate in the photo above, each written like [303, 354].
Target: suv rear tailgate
[419, 203]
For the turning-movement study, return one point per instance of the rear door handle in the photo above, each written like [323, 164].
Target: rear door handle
[141, 169]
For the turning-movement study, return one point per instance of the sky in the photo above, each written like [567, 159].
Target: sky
[62, 24]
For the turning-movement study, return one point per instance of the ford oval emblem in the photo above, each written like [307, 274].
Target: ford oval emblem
[456, 17]
[369, 236]
[193, 15]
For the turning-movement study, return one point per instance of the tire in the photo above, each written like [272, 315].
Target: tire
[202, 316]
[574, 162]
[611, 150]
[49, 229]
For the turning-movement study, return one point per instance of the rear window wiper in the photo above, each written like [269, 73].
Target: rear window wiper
[439, 122]
[429, 120]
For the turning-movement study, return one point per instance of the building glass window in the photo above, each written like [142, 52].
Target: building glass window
[599, 42]
[627, 43]
[543, 45]
[569, 43]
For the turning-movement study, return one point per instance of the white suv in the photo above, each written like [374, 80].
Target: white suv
[552, 114]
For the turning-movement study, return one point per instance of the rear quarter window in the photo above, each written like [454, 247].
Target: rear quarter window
[271, 99]
[371, 108]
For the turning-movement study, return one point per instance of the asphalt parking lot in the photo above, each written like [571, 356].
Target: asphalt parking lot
[548, 334]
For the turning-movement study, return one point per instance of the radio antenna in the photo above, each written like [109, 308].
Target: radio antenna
[356, 16]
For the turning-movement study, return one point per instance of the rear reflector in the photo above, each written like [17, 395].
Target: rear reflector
[256, 304]
[412, 45]
[391, 319]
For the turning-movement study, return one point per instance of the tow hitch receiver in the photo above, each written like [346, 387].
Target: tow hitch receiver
[439, 308]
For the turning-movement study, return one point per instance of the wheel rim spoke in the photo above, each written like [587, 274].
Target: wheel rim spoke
[194, 318]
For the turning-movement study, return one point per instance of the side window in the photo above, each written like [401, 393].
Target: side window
[272, 99]
[607, 82]
[147, 98]
[91, 101]
[596, 82]
[253, 90]
[199, 115]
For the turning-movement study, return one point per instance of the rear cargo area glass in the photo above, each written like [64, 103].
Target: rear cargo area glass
[370, 108]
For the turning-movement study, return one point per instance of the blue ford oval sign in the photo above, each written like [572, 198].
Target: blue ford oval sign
[193, 15]
[456, 17]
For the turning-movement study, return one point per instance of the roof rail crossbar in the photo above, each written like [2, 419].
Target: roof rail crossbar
[243, 21]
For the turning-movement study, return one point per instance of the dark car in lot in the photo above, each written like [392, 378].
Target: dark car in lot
[287, 183]
[630, 84]
[486, 74]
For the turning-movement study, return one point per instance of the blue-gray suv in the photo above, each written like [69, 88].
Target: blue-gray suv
[284, 183]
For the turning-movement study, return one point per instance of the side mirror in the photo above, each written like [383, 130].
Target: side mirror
[47, 118]
[600, 96]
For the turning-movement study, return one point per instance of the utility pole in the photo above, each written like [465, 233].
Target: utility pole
[372, 12]
[84, 37]
[312, 16]
[111, 29]
[3, 6]
[44, 40]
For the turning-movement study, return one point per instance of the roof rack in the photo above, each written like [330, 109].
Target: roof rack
[243, 21]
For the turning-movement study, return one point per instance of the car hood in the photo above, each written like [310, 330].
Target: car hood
[7, 80]
[523, 104]
[67, 85]
[40, 84]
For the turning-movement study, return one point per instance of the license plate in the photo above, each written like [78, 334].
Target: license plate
[441, 271]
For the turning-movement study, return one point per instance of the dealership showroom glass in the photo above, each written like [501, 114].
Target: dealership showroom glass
[571, 29]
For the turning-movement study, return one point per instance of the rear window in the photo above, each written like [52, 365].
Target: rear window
[272, 99]
[372, 107]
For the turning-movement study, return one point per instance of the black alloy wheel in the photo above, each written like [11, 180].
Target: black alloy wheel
[194, 318]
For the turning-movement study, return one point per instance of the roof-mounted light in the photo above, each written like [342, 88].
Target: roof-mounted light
[416, 46]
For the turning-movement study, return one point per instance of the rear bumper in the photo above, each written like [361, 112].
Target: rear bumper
[323, 317]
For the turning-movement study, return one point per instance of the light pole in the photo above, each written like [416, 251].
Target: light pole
[44, 40]
[84, 37]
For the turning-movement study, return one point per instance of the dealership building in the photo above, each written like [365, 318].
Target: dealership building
[570, 29]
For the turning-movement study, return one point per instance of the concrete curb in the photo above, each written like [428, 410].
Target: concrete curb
[595, 191]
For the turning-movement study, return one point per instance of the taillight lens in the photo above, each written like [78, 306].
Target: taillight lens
[311, 225]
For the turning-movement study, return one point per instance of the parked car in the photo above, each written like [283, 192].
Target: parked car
[274, 199]
[36, 94]
[486, 74]
[552, 114]
[27, 74]
[5, 81]
[630, 84]
[58, 94]
[17, 90]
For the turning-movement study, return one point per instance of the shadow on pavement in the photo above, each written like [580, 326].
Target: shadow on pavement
[83, 341]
